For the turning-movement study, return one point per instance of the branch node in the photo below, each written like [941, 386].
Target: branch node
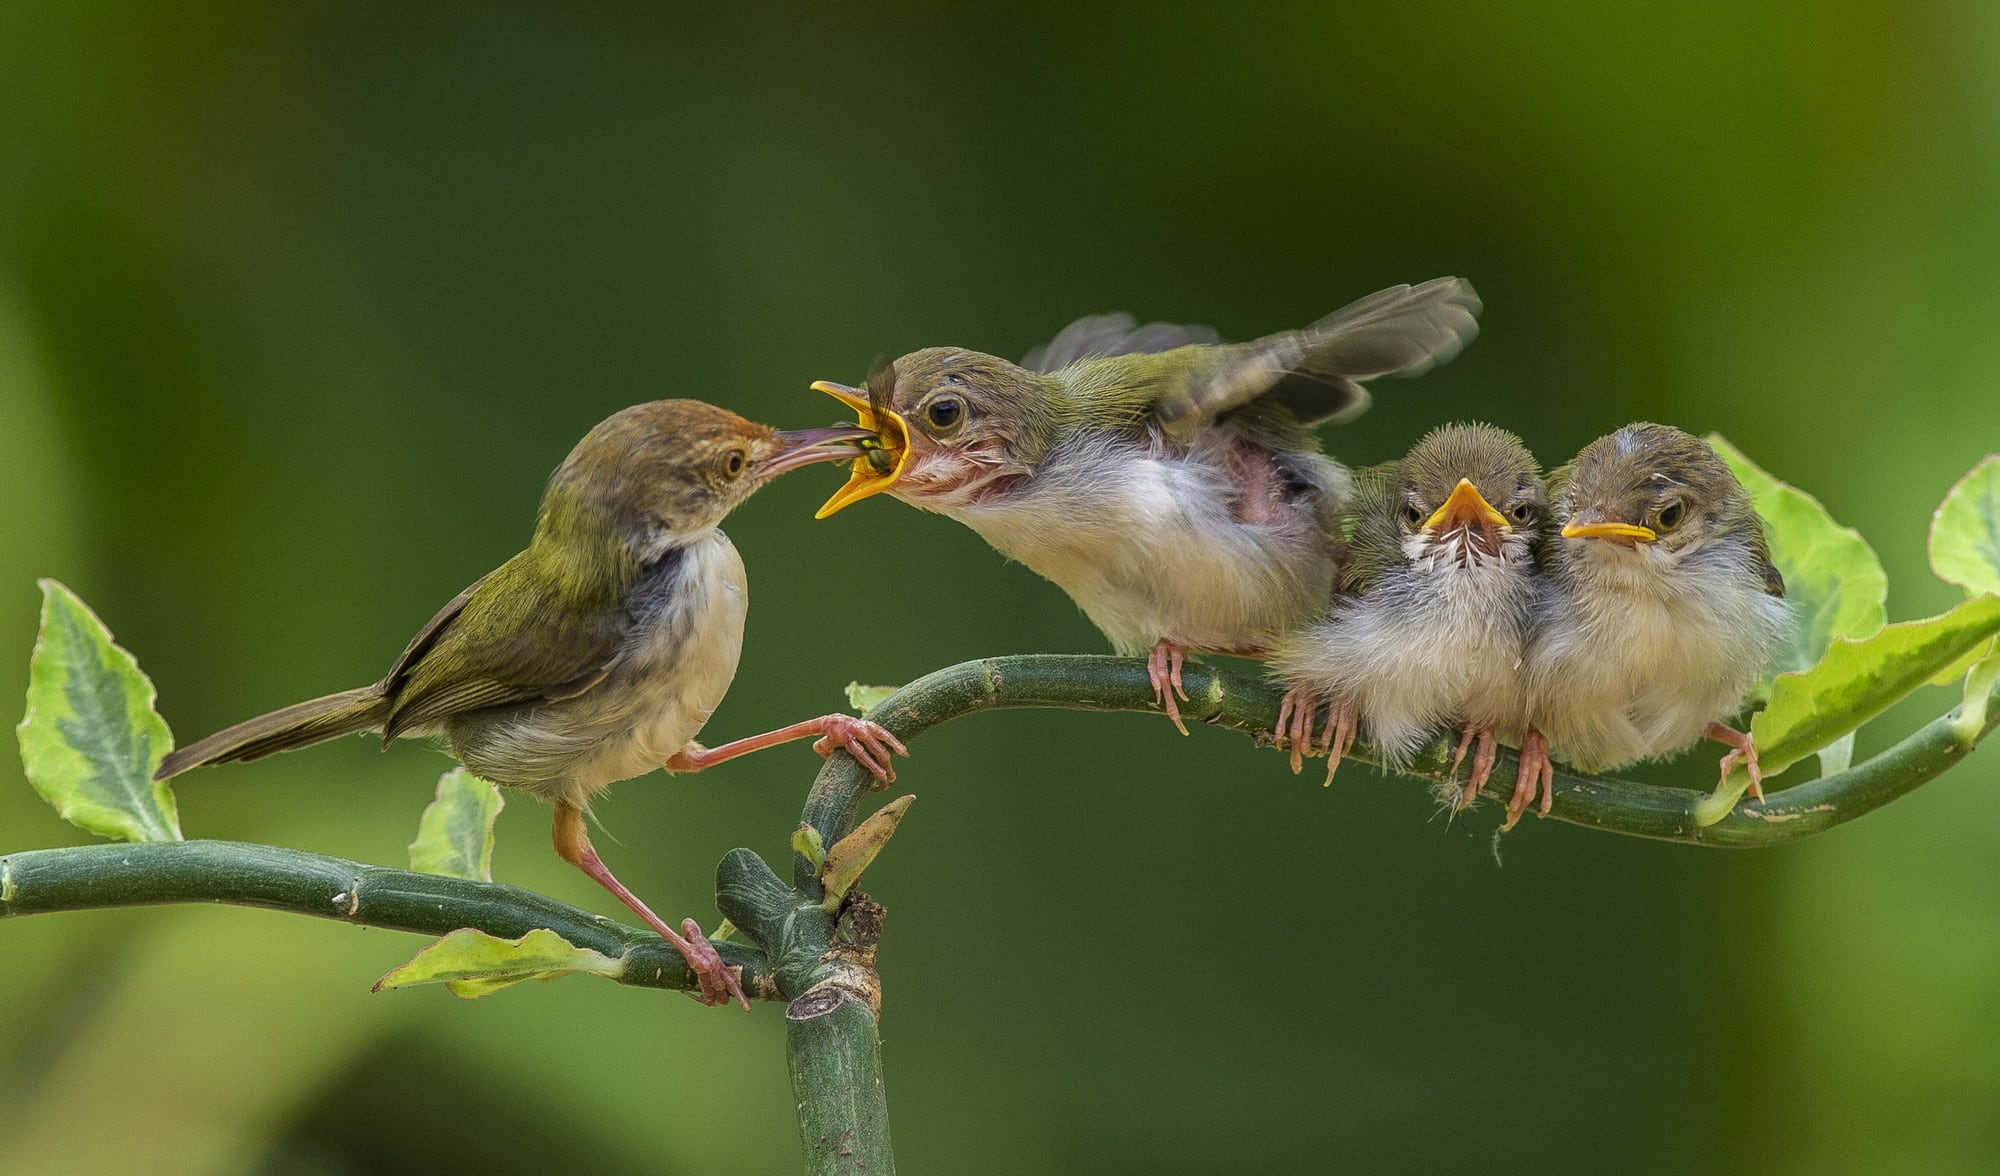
[849, 978]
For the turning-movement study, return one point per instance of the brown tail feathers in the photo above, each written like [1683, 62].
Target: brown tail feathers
[300, 725]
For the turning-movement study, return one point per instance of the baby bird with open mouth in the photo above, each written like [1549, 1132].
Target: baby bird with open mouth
[1170, 484]
[1433, 611]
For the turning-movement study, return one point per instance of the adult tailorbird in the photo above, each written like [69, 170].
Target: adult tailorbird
[596, 654]
[1170, 484]
[1660, 605]
[1433, 609]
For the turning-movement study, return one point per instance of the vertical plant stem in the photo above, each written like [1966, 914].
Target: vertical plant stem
[835, 1055]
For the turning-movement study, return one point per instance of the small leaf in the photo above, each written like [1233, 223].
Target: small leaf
[1965, 531]
[862, 699]
[455, 834]
[1833, 580]
[472, 963]
[91, 739]
[1859, 680]
[808, 844]
[1979, 683]
[852, 854]
[1837, 756]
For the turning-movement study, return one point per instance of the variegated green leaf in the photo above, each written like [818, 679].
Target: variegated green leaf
[1856, 681]
[1965, 531]
[91, 739]
[1860, 679]
[455, 834]
[1833, 580]
[472, 963]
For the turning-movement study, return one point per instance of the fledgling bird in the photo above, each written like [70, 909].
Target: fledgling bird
[598, 653]
[1434, 607]
[1171, 484]
[1660, 605]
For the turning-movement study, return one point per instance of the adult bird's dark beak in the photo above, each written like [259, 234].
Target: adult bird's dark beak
[806, 446]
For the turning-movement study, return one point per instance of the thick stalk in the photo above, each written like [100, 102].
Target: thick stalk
[86, 877]
[835, 1057]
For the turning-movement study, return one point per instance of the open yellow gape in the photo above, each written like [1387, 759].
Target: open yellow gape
[868, 476]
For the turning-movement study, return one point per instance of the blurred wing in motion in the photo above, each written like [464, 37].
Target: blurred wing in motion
[1316, 373]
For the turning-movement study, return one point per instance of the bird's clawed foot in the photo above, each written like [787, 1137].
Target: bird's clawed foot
[1741, 751]
[869, 743]
[1294, 728]
[1297, 713]
[718, 980]
[1483, 755]
[1163, 666]
[1341, 720]
[1537, 774]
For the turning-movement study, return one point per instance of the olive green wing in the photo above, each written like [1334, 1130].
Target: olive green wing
[511, 639]
[1099, 335]
[1316, 374]
[428, 635]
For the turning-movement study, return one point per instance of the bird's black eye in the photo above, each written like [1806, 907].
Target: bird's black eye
[1669, 516]
[945, 413]
[1412, 514]
[1522, 512]
[732, 463]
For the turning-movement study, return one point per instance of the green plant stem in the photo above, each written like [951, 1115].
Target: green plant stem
[832, 1044]
[1223, 698]
[151, 873]
[835, 1055]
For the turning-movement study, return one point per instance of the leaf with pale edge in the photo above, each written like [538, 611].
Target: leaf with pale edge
[1856, 681]
[862, 699]
[91, 739]
[455, 834]
[1861, 679]
[1965, 531]
[1833, 581]
[472, 963]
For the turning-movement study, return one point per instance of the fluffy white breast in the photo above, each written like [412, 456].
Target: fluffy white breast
[1154, 542]
[1637, 653]
[1424, 649]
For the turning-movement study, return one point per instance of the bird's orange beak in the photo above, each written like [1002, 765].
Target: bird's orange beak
[879, 468]
[1591, 524]
[1465, 508]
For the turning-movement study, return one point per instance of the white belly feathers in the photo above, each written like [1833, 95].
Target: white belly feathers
[1153, 546]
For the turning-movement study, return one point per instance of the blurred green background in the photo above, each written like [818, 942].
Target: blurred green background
[300, 303]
